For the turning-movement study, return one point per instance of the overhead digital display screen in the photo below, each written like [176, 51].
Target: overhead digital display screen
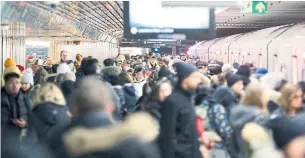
[150, 20]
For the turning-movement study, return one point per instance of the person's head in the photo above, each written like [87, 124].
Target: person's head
[235, 82]
[36, 66]
[109, 62]
[79, 57]
[12, 80]
[139, 73]
[90, 67]
[291, 97]
[163, 89]
[27, 81]
[188, 76]
[244, 70]
[111, 74]
[226, 68]
[87, 97]
[202, 66]
[125, 78]
[64, 56]
[255, 95]
[49, 61]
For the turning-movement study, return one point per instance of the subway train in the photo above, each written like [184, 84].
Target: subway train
[279, 49]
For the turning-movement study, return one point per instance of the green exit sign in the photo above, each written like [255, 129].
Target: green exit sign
[255, 7]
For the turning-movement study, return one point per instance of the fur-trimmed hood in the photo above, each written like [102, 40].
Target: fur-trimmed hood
[80, 141]
[48, 93]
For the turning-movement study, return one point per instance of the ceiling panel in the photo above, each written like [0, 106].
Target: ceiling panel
[94, 19]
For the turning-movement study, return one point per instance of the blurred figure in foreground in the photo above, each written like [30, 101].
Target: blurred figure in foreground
[92, 110]
[179, 139]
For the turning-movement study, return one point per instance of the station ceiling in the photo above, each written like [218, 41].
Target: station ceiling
[99, 19]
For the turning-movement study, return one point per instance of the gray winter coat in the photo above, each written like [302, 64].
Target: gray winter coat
[240, 116]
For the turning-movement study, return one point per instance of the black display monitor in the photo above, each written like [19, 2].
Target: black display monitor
[150, 20]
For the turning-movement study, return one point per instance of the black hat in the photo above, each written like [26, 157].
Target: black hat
[232, 79]
[184, 70]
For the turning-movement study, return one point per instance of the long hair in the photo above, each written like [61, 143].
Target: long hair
[254, 94]
[288, 92]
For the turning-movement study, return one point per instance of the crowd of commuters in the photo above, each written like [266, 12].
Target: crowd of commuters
[149, 106]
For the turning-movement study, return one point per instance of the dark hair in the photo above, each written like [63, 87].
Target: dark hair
[111, 77]
[125, 78]
[95, 60]
[150, 54]
[280, 85]
[138, 69]
[90, 67]
[11, 75]
[109, 62]
[301, 84]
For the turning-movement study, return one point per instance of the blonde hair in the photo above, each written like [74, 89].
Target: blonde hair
[288, 92]
[253, 96]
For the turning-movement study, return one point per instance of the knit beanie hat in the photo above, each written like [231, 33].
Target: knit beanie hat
[261, 71]
[244, 70]
[226, 68]
[232, 79]
[9, 62]
[184, 70]
[27, 78]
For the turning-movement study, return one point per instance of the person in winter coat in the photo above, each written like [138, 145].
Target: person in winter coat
[139, 80]
[89, 110]
[227, 95]
[131, 139]
[178, 134]
[15, 106]
[129, 90]
[253, 109]
[39, 71]
[50, 113]
[27, 82]
[285, 129]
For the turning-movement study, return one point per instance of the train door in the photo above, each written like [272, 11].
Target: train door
[294, 69]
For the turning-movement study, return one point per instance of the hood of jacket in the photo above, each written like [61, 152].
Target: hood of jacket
[50, 113]
[140, 126]
[225, 96]
[242, 114]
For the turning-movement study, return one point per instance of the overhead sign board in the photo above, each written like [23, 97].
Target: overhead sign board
[255, 7]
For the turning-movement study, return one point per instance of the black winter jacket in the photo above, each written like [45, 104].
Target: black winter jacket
[49, 119]
[178, 135]
[14, 108]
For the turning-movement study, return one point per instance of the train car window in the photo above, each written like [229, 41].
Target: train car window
[294, 69]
